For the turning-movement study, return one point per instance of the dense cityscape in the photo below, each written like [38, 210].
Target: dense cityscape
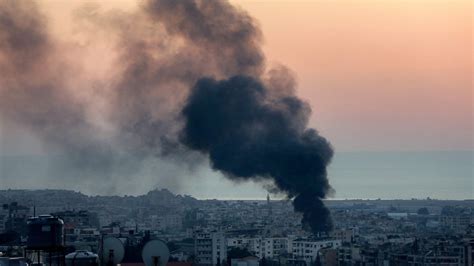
[250, 232]
[297, 133]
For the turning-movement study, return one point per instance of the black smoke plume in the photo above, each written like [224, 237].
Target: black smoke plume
[249, 134]
[191, 68]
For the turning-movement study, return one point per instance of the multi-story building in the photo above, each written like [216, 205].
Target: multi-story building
[447, 253]
[348, 254]
[3, 221]
[307, 249]
[262, 247]
[78, 219]
[166, 222]
[346, 235]
[429, 259]
[250, 243]
[210, 247]
[456, 222]
[469, 251]
[328, 256]
[273, 247]
[14, 217]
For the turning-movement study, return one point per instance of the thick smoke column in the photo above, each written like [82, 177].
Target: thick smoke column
[193, 69]
[248, 134]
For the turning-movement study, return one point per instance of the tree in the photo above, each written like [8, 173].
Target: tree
[423, 211]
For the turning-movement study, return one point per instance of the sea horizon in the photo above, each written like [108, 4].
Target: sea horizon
[442, 175]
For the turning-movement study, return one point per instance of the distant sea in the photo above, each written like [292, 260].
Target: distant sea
[403, 175]
[354, 175]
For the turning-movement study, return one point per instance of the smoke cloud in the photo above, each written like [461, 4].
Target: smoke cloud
[181, 81]
[249, 134]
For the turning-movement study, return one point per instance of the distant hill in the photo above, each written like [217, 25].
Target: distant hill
[56, 199]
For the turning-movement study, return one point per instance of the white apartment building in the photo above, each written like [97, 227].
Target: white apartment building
[210, 247]
[268, 247]
[273, 247]
[307, 249]
[252, 244]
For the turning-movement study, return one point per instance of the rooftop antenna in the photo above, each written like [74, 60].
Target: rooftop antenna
[155, 253]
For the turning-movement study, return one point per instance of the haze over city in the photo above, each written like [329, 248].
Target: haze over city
[389, 85]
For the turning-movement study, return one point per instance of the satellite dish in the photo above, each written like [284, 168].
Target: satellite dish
[155, 253]
[112, 251]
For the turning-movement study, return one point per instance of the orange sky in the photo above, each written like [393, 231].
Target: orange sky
[380, 75]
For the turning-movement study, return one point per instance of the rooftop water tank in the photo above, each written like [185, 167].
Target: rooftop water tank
[45, 232]
[82, 258]
[5, 261]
